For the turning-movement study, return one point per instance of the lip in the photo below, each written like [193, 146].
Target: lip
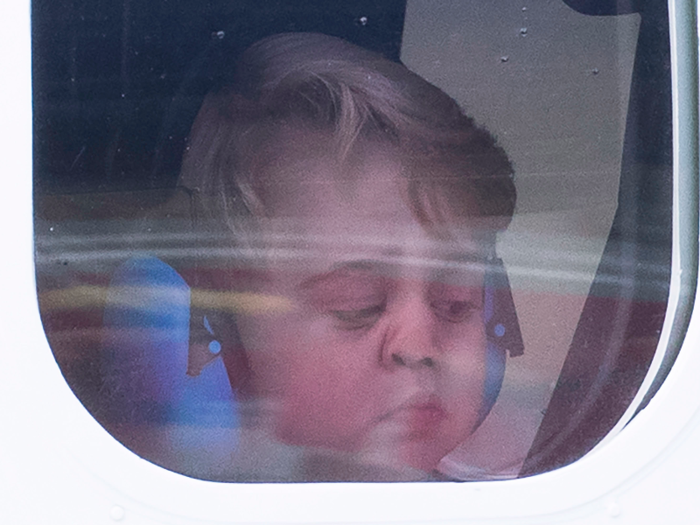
[421, 418]
[424, 419]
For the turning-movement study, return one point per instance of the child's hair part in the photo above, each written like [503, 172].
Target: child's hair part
[321, 83]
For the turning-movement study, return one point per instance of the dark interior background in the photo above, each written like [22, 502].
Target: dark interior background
[117, 83]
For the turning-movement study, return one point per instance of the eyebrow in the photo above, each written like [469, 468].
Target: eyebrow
[394, 259]
[364, 265]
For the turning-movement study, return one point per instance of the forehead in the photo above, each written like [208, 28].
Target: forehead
[352, 208]
[304, 176]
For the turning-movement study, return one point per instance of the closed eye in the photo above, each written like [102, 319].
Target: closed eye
[454, 311]
[359, 318]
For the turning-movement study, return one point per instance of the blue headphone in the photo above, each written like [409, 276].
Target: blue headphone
[503, 334]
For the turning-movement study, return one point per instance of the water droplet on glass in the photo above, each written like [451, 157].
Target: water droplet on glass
[116, 513]
[362, 20]
[504, 58]
[51, 229]
[523, 31]
[614, 509]
[595, 70]
[524, 8]
[219, 34]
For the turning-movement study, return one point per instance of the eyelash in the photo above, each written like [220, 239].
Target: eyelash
[454, 311]
[450, 311]
[360, 318]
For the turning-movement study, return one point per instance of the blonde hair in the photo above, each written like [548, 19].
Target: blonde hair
[319, 82]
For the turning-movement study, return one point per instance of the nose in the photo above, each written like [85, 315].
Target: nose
[410, 339]
[401, 359]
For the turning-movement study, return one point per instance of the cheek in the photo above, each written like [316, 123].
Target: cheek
[332, 392]
[464, 378]
[271, 344]
[464, 348]
[322, 387]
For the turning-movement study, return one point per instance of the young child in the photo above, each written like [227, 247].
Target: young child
[361, 205]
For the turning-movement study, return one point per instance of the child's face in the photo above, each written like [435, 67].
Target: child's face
[383, 352]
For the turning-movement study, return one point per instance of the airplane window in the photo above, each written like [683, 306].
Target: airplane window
[367, 241]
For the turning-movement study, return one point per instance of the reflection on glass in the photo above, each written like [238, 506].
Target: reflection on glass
[320, 294]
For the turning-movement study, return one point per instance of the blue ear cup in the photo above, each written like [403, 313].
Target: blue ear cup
[495, 370]
[502, 332]
[193, 419]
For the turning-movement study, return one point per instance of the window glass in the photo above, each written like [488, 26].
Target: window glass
[377, 241]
